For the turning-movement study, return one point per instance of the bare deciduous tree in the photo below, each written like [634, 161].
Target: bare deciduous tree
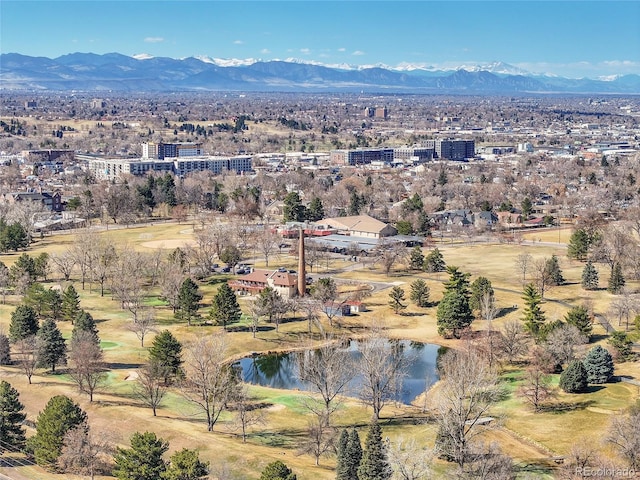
[624, 435]
[5, 281]
[267, 243]
[584, 460]
[101, 260]
[328, 369]
[210, 242]
[209, 381]
[85, 453]
[255, 312]
[489, 310]
[523, 265]
[64, 263]
[171, 278]
[150, 385]
[468, 389]
[488, 463]
[410, 461]
[563, 341]
[309, 307]
[27, 355]
[86, 363]
[536, 388]
[154, 262]
[388, 254]
[81, 249]
[320, 439]
[143, 324]
[247, 412]
[127, 280]
[382, 366]
[513, 341]
[542, 276]
[624, 305]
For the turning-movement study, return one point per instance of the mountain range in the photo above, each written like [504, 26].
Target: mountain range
[115, 72]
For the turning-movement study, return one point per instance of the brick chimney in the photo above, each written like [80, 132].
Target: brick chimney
[302, 275]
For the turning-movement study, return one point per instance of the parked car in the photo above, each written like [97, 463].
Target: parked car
[225, 269]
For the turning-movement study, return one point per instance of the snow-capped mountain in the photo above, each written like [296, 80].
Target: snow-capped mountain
[146, 73]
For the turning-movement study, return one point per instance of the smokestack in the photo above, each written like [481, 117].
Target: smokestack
[302, 275]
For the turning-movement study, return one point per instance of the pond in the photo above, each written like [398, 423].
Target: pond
[281, 370]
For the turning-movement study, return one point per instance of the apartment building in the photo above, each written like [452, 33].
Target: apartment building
[452, 149]
[361, 156]
[414, 154]
[161, 151]
[114, 168]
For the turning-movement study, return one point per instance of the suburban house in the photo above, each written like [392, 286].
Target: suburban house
[275, 210]
[335, 309]
[360, 226]
[50, 201]
[485, 219]
[286, 284]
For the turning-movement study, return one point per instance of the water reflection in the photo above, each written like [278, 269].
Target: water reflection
[281, 370]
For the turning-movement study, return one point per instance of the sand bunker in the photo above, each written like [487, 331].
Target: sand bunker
[169, 244]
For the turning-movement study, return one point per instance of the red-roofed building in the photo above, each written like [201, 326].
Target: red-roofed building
[284, 283]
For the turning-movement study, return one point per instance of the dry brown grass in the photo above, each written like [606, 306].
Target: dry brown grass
[115, 410]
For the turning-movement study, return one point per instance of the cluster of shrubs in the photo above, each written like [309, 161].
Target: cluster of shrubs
[596, 368]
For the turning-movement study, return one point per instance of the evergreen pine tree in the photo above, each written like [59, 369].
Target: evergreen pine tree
[5, 350]
[553, 271]
[225, 308]
[59, 416]
[479, 288]
[24, 323]
[349, 455]
[45, 301]
[52, 349]
[533, 317]
[293, 210]
[420, 293]
[70, 304]
[416, 259]
[622, 344]
[186, 465]
[341, 457]
[166, 353]
[188, 301]
[616, 281]
[579, 243]
[12, 433]
[84, 322]
[143, 461]
[574, 378]
[579, 317]
[396, 298]
[599, 365]
[590, 276]
[374, 464]
[454, 313]
[354, 455]
[277, 471]
[434, 261]
[316, 210]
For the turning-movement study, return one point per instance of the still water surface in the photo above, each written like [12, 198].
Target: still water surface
[281, 370]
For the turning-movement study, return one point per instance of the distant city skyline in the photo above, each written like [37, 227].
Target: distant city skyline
[574, 39]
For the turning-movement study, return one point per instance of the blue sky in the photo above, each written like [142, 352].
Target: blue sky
[580, 38]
